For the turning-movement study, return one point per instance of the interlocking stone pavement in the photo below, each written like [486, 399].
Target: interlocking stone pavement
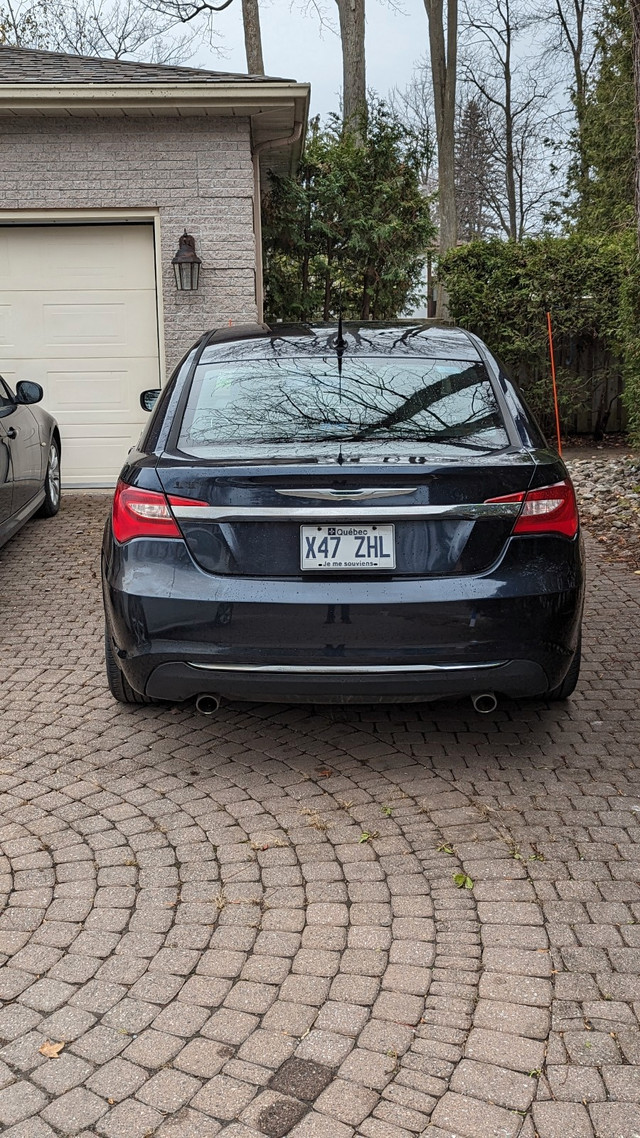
[248, 925]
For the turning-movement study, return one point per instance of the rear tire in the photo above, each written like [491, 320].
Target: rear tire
[118, 685]
[568, 685]
[51, 504]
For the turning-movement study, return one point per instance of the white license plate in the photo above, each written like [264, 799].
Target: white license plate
[347, 547]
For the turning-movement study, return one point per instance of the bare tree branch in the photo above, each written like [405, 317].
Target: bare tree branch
[110, 28]
[515, 95]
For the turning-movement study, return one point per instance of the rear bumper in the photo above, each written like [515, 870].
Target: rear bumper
[179, 681]
[179, 631]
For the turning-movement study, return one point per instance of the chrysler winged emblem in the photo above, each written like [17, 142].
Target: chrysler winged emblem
[357, 495]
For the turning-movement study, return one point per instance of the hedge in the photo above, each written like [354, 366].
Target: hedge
[503, 290]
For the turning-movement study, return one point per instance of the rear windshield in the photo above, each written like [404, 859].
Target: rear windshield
[324, 400]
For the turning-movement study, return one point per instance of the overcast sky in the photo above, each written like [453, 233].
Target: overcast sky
[295, 48]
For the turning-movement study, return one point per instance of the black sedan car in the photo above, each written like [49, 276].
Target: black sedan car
[29, 458]
[342, 514]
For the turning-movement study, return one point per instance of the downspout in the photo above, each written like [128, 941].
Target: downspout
[257, 210]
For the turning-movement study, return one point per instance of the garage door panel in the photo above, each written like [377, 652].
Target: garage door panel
[88, 448]
[81, 386]
[88, 388]
[93, 347]
[7, 326]
[69, 325]
[100, 326]
[125, 261]
[75, 393]
[63, 325]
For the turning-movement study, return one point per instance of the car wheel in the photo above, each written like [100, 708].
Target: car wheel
[51, 503]
[568, 685]
[118, 686]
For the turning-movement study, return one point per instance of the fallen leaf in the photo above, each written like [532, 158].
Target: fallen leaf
[462, 881]
[51, 1050]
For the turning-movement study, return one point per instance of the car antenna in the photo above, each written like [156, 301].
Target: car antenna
[341, 344]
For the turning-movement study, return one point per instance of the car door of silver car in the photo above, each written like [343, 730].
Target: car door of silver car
[6, 476]
[6, 480]
[23, 437]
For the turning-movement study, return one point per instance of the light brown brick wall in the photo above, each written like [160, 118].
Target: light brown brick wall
[196, 171]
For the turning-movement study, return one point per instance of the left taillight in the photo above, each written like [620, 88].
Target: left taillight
[144, 513]
[550, 509]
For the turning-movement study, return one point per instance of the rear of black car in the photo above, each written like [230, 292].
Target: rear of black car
[342, 515]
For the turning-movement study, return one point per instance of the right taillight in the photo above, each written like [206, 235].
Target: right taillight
[550, 509]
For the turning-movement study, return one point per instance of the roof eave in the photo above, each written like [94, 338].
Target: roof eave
[235, 97]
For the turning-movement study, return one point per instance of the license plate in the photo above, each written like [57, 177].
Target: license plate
[347, 547]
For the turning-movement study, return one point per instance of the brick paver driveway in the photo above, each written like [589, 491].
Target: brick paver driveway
[249, 925]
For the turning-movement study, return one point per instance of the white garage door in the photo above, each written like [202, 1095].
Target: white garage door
[78, 315]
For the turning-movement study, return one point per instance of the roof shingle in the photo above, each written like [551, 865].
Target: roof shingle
[24, 65]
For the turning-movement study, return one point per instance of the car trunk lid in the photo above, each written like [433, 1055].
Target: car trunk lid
[250, 517]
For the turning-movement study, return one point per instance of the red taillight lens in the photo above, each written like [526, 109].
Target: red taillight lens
[141, 513]
[145, 513]
[551, 509]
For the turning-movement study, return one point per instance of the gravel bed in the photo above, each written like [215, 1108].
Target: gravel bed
[608, 490]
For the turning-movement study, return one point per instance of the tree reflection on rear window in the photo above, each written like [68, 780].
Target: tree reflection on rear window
[327, 400]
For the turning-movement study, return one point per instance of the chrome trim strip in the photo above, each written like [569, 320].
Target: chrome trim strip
[466, 512]
[350, 495]
[347, 669]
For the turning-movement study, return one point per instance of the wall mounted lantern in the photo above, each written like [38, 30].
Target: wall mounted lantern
[186, 264]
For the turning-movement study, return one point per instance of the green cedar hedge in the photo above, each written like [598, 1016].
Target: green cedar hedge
[503, 290]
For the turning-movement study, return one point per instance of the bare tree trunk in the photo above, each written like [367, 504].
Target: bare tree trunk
[634, 8]
[354, 80]
[573, 34]
[443, 48]
[252, 37]
[510, 172]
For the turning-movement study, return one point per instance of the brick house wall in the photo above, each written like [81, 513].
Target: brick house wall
[196, 171]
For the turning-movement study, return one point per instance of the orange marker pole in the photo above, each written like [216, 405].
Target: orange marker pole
[553, 380]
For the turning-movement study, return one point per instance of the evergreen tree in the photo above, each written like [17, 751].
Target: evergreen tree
[606, 197]
[475, 173]
[351, 230]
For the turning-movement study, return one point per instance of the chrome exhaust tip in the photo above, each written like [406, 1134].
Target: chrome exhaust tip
[207, 704]
[485, 702]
